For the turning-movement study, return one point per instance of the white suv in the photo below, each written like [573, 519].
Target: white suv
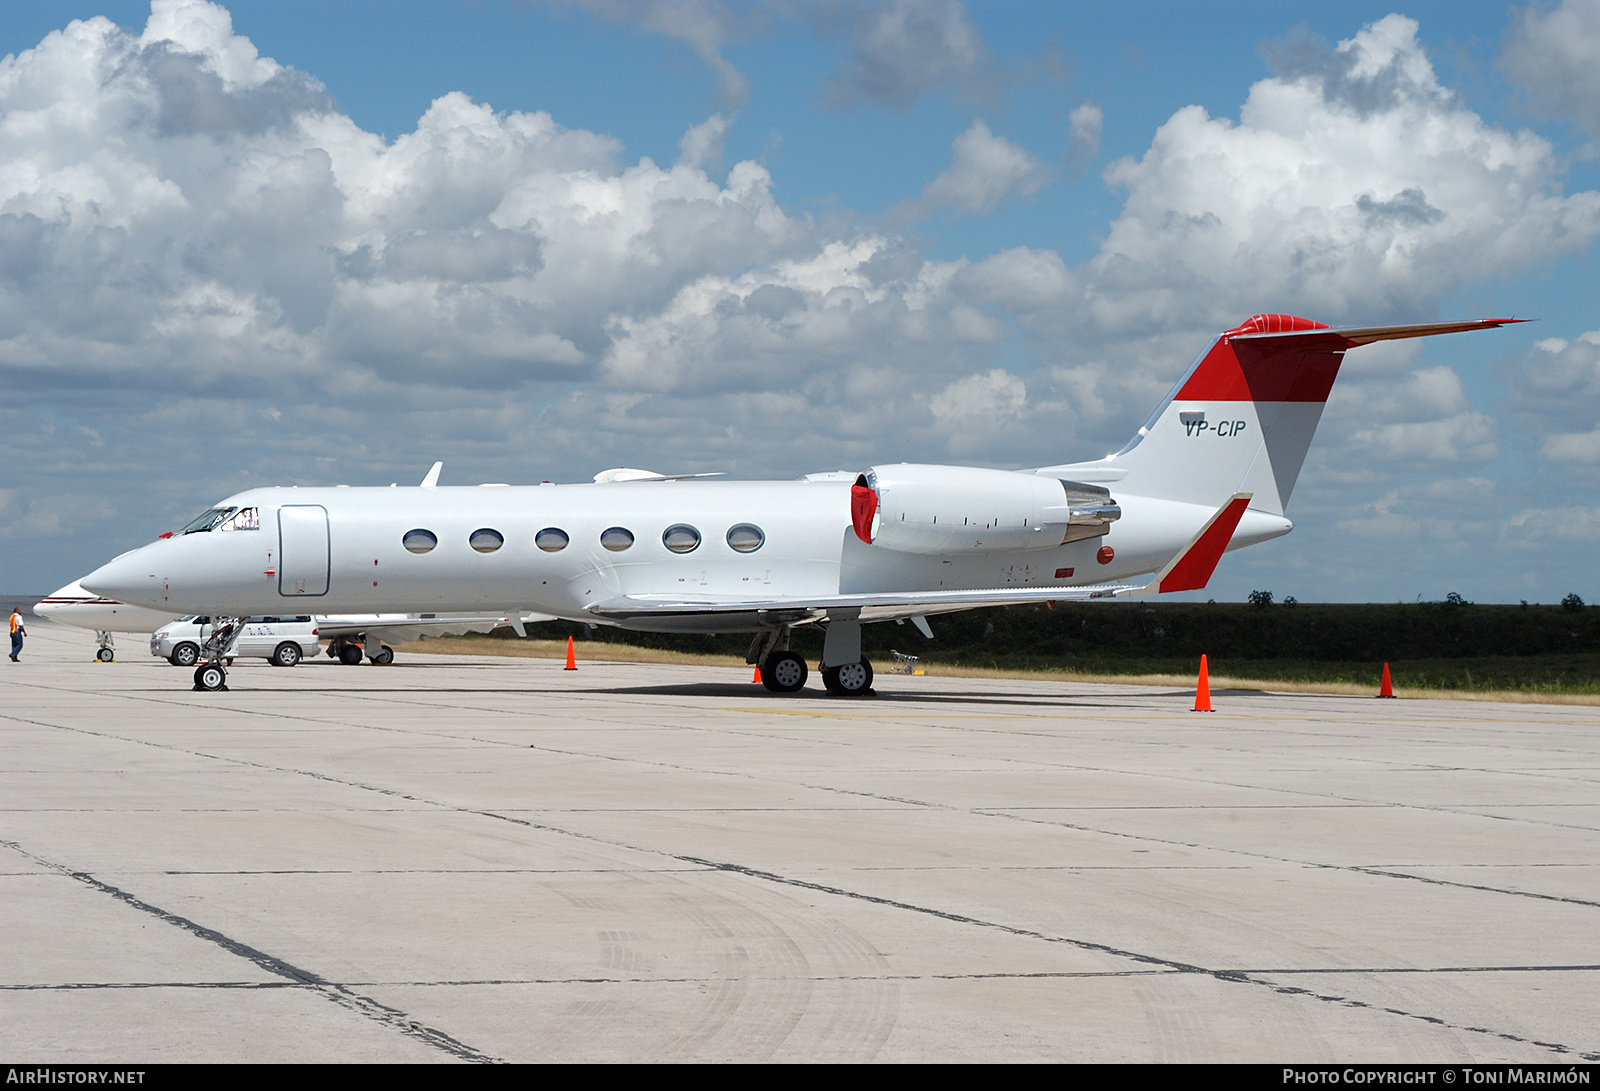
[281, 641]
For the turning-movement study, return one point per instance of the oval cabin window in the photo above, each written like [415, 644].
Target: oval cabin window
[681, 538]
[551, 539]
[419, 541]
[616, 539]
[485, 540]
[746, 538]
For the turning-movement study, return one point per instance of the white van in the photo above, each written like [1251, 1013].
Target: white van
[281, 641]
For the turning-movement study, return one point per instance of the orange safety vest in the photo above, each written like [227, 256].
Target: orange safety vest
[16, 622]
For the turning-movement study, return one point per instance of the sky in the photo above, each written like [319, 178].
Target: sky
[297, 243]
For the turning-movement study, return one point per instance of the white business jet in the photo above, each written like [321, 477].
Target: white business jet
[350, 637]
[1210, 471]
[72, 605]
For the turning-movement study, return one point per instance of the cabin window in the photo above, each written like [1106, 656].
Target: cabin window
[243, 519]
[208, 520]
[616, 539]
[551, 539]
[485, 540]
[419, 541]
[745, 538]
[681, 538]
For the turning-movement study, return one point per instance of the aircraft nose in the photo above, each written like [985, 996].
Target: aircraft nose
[127, 579]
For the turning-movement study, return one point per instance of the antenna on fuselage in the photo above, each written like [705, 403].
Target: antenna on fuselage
[433, 476]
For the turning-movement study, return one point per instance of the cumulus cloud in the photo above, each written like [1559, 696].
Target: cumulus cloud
[1554, 389]
[984, 170]
[705, 26]
[1572, 446]
[902, 49]
[1352, 186]
[897, 50]
[1565, 524]
[1084, 125]
[1554, 53]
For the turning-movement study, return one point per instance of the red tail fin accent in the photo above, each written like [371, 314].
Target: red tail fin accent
[1192, 570]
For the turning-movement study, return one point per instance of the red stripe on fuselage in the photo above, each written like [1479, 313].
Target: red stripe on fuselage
[1265, 369]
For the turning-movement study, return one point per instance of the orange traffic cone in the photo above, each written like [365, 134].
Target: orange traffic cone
[1386, 689]
[572, 660]
[757, 678]
[1202, 689]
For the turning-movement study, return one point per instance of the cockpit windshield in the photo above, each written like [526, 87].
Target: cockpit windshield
[208, 520]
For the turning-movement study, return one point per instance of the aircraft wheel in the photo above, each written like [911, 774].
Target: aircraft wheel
[784, 672]
[384, 657]
[848, 679]
[286, 654]
[105, 655]
[210, 676]
[185, 655]
[350, 655]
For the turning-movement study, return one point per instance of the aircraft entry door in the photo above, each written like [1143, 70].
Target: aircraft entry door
[303, 553]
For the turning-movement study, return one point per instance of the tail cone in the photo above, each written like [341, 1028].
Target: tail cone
[572, 660]
[1202, 689]
[1386, 689]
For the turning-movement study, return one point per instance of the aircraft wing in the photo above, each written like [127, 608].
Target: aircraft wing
[875, 606]
[409, 627]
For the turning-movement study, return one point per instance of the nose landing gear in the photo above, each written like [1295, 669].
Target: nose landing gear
[210, 675]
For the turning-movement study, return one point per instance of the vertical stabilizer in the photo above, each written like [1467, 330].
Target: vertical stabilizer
[1241, 419]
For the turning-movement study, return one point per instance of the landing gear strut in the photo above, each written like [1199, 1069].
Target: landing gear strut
[845, 671]
[107, 652]
[210, 675]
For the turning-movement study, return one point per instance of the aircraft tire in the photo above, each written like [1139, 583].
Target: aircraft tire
[350, 655]
[105, 655]
[286, 654]
[185, 655]
[848, 679]
[784, 672]
[210, 676]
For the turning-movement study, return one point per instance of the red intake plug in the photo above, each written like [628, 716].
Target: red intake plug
[863, 506]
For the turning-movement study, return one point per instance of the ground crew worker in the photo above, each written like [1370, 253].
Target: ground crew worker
[18, 631]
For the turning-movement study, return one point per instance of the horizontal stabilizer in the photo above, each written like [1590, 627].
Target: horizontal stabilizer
[1350, 337]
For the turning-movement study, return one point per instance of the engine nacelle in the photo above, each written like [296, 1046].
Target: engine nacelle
[958, 509]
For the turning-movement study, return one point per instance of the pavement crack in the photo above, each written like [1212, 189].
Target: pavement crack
[333, 991]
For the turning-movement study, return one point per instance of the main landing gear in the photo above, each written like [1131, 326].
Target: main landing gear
[848, 679]
[845, 671]
[350, 652]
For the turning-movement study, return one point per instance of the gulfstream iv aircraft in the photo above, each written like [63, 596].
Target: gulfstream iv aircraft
[1210, 471]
